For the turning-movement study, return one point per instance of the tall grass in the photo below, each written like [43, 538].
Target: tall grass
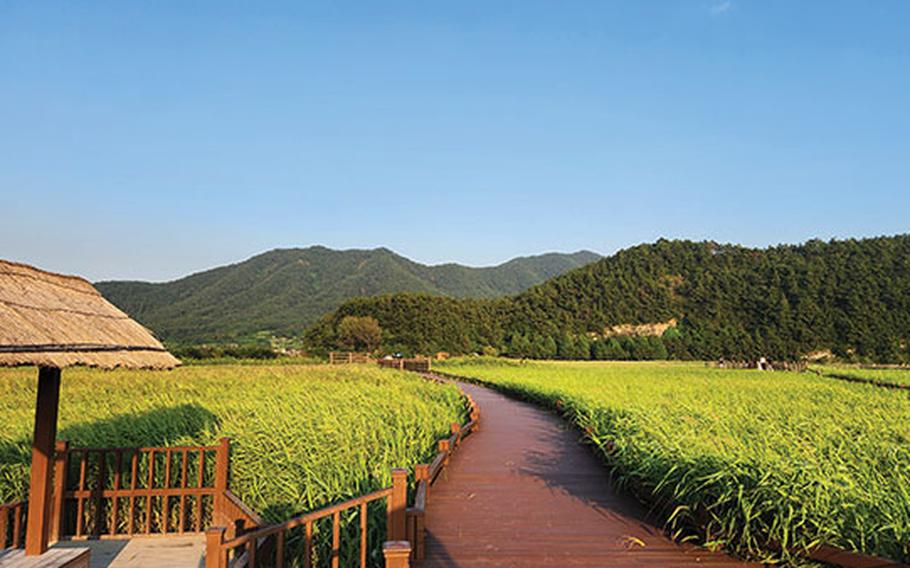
[754, 460]
[882, 376]
[303, 436]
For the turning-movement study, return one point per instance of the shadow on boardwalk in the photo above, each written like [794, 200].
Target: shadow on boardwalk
[525, 492]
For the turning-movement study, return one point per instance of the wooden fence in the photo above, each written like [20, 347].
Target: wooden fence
[109, 493]
[404, 540]
[764, 365]
[348, 358]
[416, 364]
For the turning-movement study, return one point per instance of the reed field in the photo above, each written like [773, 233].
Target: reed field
[302, 436]
[746, 460]
[893, 376]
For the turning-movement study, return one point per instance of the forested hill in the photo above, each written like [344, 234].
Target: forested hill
[285, 291]
[851, 297]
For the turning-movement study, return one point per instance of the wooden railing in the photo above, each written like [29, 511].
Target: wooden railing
[232, 513]
[404, 540]
[123, 492]
[222, 551]
[348, 357]
[127, 492]
[417, 364]
[12, 524]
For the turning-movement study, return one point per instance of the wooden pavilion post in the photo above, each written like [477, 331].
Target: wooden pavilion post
[41, 485]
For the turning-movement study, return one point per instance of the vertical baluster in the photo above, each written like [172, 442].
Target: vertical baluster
[336, 538]
[183, 495]
[99, 488]
[251, 554]
[199, 509]
[148, 500]
[165, 499]
[114, 500]
[363, 535]
[17, 526]
[308, 546]
[134, 469]
[80, 500]
[279, 550]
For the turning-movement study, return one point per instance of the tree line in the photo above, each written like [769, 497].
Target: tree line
[849, 297]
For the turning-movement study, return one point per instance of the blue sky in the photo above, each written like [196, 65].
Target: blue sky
[151, 139]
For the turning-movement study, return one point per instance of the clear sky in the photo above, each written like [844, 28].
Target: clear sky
[151, 139]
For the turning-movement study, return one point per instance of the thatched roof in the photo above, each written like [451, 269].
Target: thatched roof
[53, 320]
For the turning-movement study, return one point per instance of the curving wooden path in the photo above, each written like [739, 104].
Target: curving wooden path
[523, 492]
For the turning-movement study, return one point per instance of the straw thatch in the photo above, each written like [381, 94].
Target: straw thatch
[53, 320]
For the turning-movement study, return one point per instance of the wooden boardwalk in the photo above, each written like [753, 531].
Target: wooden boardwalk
[524, 492]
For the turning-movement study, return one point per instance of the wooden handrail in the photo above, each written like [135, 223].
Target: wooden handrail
[129, 449]
[270, 530]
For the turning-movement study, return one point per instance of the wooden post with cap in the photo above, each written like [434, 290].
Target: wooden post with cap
[397, 553]
[214, 557]
[222, 472]
[397, 506]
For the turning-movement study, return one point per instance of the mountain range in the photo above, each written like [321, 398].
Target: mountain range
[284, 291]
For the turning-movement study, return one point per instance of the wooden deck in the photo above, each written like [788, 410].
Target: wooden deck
[53, 558]
[524, 492]
[152, 552]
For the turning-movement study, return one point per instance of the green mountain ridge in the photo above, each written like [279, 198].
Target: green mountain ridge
[284, 291]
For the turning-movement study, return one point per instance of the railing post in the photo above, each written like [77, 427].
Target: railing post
[397, 553]
[422, 473]
[214, 558]
[61, 455]
[222, 470]
[456, 431]
[396, 524]
[444, 448]
[4, 515]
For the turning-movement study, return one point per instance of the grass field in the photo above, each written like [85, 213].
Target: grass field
[303, 436]
[751, 458]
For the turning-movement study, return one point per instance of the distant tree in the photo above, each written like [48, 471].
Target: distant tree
[600, 349]
[629, 346]
[543, 347]
[359, 333]
[565, 346]
[519, 346]
[582, 348]
[658, 349]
